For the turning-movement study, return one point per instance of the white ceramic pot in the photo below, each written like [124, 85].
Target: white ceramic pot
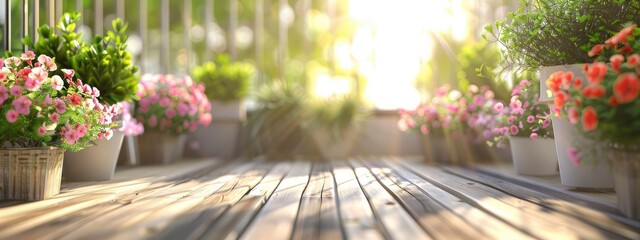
[160, 148]
[332, 148]
[626, 165]
[95, 163]
[593, 174]
[230, 110]
[534, 157]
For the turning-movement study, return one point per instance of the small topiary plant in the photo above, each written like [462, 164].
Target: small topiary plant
[225, 81]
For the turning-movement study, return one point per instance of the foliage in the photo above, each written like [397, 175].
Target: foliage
[556, 32]
[337, 114]
[171, 104]
[526, 115]
[477, 65]
[224, 80]
[104, 62]
[605, 106]
[39, 111]
[276, 125]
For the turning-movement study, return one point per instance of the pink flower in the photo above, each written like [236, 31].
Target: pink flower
[573, 156]
[153, 121]
[71, 136]
[511, 119]
[533, 136]
[530, 119]
[165, 101]
[56, 82]
[3, 94]
[205, 119]
[54, 117]
[108, 134]
[498, 107]
[42, 130]
[16, 90]
[60, 106]
[22, 105]
[12, 116]
[546, 123]
[68, 73]
[81, 128]
[170, 112]
[513, 130]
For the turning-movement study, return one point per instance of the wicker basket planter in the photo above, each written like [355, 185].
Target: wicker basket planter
[30, 173]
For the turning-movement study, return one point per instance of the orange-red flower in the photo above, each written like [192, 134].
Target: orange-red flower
[625, 89]
[553, 82]
[596, 72]
[589, 119]
[593, 91]
[573, 115]
[613, 101]
[577, 83]
[616, 61]
[633, 60]
[559, 99]
[596, 50]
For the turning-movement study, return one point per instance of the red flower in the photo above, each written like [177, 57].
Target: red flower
[577, 83]
[573, 115]
[625, 89]
[612, 101]
[559, 99]
[596, 72]
[596, 50]
[593, 91]
[75, 99]
[554, 81]
[633, 60]
[589, 119]
[616, 60]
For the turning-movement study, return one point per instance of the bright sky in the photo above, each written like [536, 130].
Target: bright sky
[390, 43]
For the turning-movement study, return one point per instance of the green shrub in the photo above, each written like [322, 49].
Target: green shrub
[224, 80]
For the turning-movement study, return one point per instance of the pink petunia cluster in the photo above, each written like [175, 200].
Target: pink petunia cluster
[172, 104]
[468, 113]
[40, 110]
[524, 116]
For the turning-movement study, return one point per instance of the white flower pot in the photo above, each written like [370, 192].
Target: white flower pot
[160, 148]
[332, 148]
[626, 165]
[95, 163]
[534, 157]
[545, 72]
[230, 110]
[595, 174]
[220, 139]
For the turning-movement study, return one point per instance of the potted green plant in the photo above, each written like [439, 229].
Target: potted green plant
[227, 84]
[41, 119]
[334, 123]
[605, 108]
[549, 36]
[275, 128]
[103, 63]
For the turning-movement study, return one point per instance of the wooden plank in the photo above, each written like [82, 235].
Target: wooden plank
[537, 220]
[483, 221]
[307, 224]
[604, 220]
[330, 224]
[437, 220]
[277, 216]
[356, 215]
[595, 198]
[397, 222]
[221, 189]
[216, 219]
[132, 213]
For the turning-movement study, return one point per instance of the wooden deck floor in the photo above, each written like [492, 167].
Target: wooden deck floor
[372, 198]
